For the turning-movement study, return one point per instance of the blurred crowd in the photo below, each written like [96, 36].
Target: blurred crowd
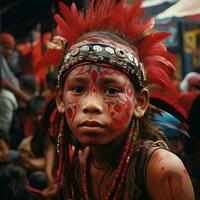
[28, 156]
[27, 153]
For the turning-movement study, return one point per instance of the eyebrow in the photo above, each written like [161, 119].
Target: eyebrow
[76, 79]
[110, 80]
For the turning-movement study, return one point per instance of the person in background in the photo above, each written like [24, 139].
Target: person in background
[191, 82]
[8, 78]
[7, 154]
[31, 148]
[8, 105]
[51, 81]
[189, 98]
[34, 149]
[28, 83]
[7, 46]
[22, 125]
[14, 184]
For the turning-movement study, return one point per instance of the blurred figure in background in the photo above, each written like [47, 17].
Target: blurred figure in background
[51, 81]
[22, 124]
[8, 105]
[7, 43]
[35, 149]
[190, 99]
[8, 78]
[14, 183]
[7, 154]
[190, 82]
[8, 101]
[31, 148]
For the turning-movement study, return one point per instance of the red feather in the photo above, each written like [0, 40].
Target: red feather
[116, 17]
[52, 57]
[152, 40]
[176, 109]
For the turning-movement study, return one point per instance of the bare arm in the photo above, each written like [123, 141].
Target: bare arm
[18, 92]
[31, 163]
[167, 178]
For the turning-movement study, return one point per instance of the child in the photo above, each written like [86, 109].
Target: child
[103, 107]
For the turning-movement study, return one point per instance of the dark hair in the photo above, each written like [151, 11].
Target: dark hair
[148, 131]
[28, 82]
[51, 78]
[36, 103]
[35, 106]
[13, 183]
[5, 137]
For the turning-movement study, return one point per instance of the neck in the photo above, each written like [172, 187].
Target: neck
[103, 155]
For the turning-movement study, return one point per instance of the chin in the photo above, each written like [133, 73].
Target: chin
[92, 141]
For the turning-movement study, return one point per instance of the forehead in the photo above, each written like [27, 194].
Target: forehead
[97, 71]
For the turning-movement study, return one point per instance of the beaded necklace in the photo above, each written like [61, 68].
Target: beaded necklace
[117, 185]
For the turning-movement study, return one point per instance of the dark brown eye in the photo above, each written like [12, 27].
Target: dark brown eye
[78, 90]
[111, 90]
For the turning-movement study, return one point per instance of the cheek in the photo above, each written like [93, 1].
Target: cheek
[129, 91]
[71, 111]
[121, 112]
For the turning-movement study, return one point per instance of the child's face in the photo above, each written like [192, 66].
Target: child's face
[98, 103]
[4, 150]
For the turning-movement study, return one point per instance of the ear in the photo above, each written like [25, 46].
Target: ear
[60, 100]
[141, 103]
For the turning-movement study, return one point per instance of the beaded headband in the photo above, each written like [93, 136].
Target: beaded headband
[107, 54]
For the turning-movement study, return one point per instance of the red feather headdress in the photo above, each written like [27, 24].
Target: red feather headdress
[114, 17]
[117, 18]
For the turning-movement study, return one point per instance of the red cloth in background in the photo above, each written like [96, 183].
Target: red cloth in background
[32, 54]
[186, 99]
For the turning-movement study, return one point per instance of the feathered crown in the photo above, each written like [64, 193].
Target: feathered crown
[116, 17]
[144, 49]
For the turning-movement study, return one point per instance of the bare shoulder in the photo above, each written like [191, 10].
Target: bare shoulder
[167, 178]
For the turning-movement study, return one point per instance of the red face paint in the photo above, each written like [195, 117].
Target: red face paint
[99, 103]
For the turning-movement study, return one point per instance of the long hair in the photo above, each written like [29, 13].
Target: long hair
[72, 178]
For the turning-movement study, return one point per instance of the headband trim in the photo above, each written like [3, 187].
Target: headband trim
[104, 53]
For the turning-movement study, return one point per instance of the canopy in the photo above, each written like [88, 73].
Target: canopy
[150, 3]
[187, 9]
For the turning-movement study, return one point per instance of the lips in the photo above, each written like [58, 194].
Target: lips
[91, 123]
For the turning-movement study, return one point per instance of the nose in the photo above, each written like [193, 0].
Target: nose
[92, 105]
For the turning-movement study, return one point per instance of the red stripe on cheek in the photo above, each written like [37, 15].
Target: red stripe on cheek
[118, 107]
[69, 113]
[128, 105]
[120, 114]
[130, 90]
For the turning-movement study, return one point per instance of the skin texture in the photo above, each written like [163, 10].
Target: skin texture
[167, 178]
